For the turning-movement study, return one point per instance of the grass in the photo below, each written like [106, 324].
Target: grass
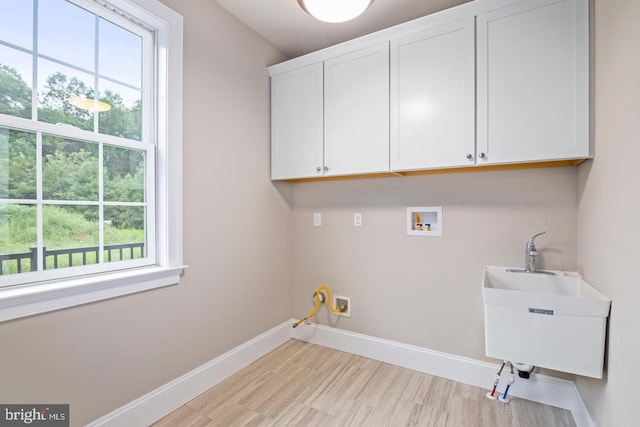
[64, 228]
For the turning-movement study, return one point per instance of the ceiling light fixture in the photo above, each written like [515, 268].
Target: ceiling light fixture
[334, 10]
[89, 104]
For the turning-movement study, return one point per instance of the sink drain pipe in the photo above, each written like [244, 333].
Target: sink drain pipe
[524, 371]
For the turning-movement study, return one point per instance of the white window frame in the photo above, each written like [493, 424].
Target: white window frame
[30, 299]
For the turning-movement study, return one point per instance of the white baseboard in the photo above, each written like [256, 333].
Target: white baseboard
[165, 399]
[162, 401]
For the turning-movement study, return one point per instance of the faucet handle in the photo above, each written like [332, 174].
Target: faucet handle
[531, 241]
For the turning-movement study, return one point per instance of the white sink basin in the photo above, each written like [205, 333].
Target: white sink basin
[555, 321]
[564, 293]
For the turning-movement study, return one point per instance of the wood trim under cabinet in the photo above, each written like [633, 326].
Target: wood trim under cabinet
[532, 165]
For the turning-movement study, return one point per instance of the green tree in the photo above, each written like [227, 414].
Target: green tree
[124, 174]
[120, 120]
[56, 106]
[70, 175]
[17, 164]
[15, 94]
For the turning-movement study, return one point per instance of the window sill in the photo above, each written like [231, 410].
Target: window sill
[23, 301]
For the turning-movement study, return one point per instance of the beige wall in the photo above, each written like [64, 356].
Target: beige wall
[236, 234]
[609, 210]
[256, 258]
[426, 291]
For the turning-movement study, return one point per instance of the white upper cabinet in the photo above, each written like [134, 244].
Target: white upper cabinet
[296, 123]
[433, 98]
[356, 112]
[533, 83]
[489, 82]
[332, 117]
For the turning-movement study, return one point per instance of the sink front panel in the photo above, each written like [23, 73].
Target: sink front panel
[573, 344]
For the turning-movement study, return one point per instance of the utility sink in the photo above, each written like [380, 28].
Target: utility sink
[554, 320]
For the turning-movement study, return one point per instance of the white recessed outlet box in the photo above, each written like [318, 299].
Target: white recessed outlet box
[343, 304]
[424, 221]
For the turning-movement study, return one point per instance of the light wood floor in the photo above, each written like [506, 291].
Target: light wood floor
[302, 384]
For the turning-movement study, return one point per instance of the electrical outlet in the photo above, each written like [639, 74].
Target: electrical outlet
[357, 219]
[343, 304]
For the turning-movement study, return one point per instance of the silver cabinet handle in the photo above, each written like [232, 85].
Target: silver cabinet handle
[326, 168]
[482, 155]
[318, 169]
[469, 156]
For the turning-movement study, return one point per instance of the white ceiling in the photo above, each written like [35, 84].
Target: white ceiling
[286, 26]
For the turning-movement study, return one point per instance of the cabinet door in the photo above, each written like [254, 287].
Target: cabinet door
[533, 94]
[356, 112]
[432, 98]
[296, 123]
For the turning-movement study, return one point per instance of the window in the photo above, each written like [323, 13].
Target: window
[90, 151]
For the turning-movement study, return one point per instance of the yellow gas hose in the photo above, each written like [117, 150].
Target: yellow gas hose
[319, 301]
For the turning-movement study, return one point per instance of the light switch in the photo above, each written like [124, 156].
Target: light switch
[317, 219]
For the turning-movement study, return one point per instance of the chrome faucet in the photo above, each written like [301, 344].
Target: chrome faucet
[530, 254]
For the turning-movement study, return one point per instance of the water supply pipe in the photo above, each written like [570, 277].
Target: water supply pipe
[496, 379]
[512, 379]
[320, 298]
